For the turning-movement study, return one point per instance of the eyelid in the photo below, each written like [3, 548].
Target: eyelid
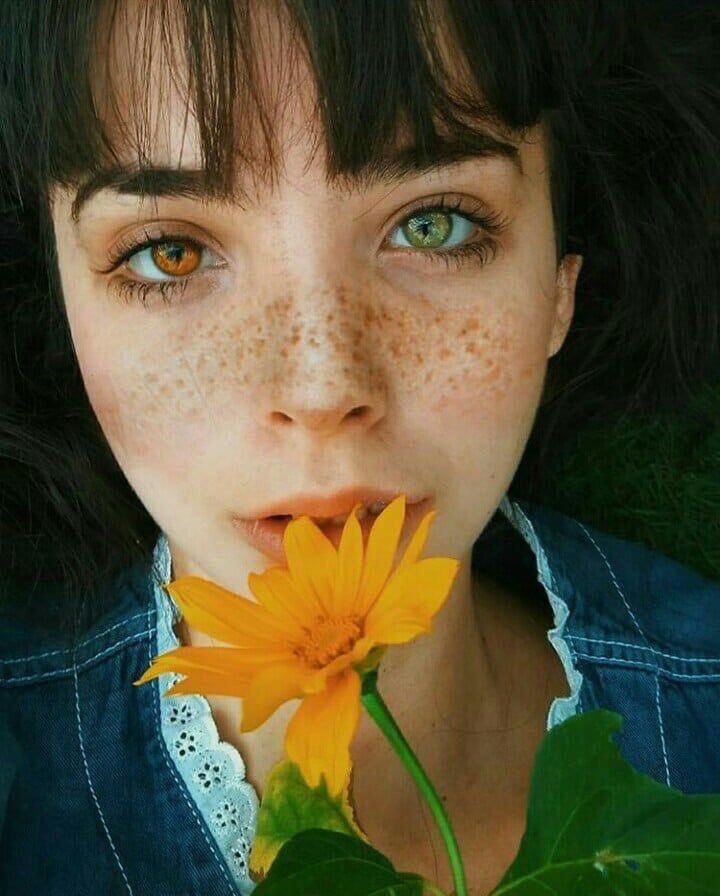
[131, 245]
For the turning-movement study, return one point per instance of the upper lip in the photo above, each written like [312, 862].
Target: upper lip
[331, 505]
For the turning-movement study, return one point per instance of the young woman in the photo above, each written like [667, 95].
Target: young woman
[275, 258]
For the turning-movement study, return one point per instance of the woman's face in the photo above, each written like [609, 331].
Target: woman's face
[299, 309]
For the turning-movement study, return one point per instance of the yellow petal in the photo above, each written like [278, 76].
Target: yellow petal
[412, 552]
[418, 590]
[397, 627]
[219, 660]
[201, 682]
[318, 736]
[269, 689]
[381, 547]
[349, 565]
[312, 561]
[224, 615]
[275, 590]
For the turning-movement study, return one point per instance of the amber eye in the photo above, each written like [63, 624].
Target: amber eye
[176, 258]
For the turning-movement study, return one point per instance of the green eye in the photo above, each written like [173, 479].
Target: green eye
[428, 230]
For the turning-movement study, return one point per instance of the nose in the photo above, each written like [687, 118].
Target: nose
[330, 378]
[324, 421]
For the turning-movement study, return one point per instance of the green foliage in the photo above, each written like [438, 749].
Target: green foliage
[651, 479]
[290, 806]
[325, 862]
[595, 827]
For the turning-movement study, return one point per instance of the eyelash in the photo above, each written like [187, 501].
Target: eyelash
[493, 225]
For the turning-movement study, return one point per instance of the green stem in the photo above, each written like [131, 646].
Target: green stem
[381, 715]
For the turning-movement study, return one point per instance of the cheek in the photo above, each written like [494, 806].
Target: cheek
[150, 405]
[488, 369]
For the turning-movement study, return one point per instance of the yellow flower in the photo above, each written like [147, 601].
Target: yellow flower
[309, 627]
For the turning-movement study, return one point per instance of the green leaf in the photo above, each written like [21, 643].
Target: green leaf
[596, 825]
[290, 806]
[325, 863]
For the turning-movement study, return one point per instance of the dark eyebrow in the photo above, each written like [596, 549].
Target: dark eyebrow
[397, 165]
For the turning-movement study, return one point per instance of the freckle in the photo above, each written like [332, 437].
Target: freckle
[445, 354]
[181, 383]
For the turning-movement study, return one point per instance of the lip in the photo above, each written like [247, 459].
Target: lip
[330, 505]
[267, 535]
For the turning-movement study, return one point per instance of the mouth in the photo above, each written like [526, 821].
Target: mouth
[267, 534]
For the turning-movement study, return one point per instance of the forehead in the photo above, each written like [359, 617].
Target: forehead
[157, 133]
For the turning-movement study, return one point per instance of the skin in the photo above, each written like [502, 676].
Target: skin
[241, 392]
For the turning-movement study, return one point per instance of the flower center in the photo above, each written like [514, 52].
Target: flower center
[329, 638]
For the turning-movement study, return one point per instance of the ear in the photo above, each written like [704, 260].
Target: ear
[568, 272]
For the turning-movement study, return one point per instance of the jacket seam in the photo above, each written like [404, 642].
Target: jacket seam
[54, 672]
[647, 642]
[39, 656]
[163, 749]
[90, 784]
[669, 656]
[638, 664]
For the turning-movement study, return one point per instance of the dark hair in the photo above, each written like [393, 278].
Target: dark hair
[631, 104]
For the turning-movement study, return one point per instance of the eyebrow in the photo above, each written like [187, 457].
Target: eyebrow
[161, 181]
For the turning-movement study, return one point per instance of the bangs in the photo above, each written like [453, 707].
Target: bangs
[384, 76]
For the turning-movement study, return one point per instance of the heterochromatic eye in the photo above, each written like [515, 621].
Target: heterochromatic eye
[175, 258]
[431, 229]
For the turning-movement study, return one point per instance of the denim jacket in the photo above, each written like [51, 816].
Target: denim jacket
[106, 788]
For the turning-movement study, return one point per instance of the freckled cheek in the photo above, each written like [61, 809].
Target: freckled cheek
[495, 379]
[144, 426]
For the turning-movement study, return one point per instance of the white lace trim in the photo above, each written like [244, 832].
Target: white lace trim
[213, 770]
[562, 707]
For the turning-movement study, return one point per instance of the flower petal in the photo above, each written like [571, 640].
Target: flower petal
[318, 736]
[229, 661]
[201, 682]
[381, 547]
[412, 552]
[396, 627]
[224, 615]
[312, 561]
[418, 590]
[269, 689]
[276, 591]
[349, 565]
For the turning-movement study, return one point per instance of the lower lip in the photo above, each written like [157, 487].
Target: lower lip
[267, 535]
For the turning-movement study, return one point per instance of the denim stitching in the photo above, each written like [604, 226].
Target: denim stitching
[662, 729]
[38, 656]
[652, 650]
[82, 665]
[670, 656]
[163, 749]
[92, 789]
[637, 664]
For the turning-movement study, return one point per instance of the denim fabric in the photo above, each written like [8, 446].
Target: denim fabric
[96, 802]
